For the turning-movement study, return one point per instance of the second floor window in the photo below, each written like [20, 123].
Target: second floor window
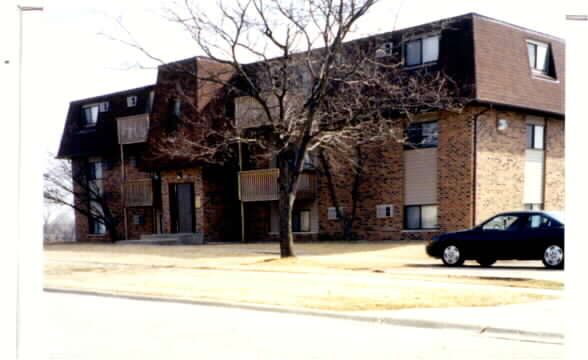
[539, 56]
[421, 51]
[95, 170]
[421, 135]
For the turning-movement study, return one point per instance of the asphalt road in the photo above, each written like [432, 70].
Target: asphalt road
[88, 327]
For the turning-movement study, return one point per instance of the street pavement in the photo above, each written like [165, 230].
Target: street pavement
[99, 327]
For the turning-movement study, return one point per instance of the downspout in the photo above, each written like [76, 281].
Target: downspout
[239, 192]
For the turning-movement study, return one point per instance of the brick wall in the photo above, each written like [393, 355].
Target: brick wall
[455, 170]
[112, 188]
[500, 164]
[554, 165]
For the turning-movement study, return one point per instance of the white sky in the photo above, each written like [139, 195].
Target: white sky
[76, 62]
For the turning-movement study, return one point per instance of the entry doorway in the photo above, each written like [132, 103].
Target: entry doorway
[181, 201]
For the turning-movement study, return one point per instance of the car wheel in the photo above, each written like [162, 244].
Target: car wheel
[452, 255]
[553, 257]
[486, 262]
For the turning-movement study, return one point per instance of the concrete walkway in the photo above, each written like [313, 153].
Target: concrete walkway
[539, 321]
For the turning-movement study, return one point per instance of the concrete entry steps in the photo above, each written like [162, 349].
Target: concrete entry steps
[166, 239]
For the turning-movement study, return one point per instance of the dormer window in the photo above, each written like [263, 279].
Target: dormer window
[131, 101]
[540, 58]
[421, 51]
[90, 114]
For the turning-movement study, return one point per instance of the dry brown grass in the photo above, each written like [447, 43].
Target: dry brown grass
[333, 276]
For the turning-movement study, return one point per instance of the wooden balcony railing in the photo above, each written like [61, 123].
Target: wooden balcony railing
[262, 185]
[139, 193]
[133, 129]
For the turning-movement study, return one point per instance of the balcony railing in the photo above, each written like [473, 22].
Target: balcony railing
[133, 129]
[139, 193]
[262, 185]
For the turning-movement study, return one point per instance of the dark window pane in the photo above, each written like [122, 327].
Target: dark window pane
[412, 217]
[530, 133]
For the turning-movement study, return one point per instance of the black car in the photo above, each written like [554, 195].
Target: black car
[520, 235]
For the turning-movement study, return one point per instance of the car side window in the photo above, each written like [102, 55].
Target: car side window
[538, 222]
[502, 222]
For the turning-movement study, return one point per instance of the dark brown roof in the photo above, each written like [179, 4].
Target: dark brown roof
[503, 75]
[100, 140]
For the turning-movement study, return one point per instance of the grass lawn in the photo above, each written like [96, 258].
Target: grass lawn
[330, 276]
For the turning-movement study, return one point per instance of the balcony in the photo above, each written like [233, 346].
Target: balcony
[133, 129]
[139, 193]
[262, 185]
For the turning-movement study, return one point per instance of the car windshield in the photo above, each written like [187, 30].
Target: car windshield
[557, 215]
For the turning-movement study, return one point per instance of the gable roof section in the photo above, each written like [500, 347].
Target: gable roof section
[503, 75]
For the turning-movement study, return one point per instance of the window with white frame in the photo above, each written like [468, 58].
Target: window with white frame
[300, 220]
[422, 135]
[535, 136]
[539, 56]
[421, 51]
[420, 217]
[90, 114]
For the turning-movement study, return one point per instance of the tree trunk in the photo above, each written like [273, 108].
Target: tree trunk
[286, 203]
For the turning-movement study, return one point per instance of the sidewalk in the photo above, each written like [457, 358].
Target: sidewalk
[539, 321]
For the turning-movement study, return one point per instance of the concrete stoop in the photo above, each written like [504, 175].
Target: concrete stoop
[166, 239]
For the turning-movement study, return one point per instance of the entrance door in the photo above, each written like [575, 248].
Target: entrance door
[182, 208]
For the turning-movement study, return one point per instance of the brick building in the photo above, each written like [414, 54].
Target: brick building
[505, 151]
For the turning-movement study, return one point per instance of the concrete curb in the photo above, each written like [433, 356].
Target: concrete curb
[514, 334]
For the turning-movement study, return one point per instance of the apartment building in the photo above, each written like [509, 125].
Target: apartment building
[504, 151]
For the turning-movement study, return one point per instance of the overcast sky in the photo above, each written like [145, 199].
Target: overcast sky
[65, 53]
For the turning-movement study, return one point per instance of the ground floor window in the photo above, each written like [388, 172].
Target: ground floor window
[417, 217]
[300, 220]
[97, 227]
[537, 206]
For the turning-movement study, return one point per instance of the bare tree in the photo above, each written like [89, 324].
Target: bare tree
[306, 88]
[79, 190]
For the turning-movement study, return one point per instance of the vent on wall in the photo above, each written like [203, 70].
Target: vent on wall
[384, 211]
[332, 213]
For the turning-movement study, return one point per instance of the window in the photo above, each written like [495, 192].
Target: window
[95, 168]
[332, 213]
[422, 135]
[418, 217]
[537, 206]
[138, 220]
[173, 114]
[90, 114]
[421, 51]
[131, 101]
[535, 136]
[539, 56]
[539, 222]
[97, 227]
[300, 220]
[502, 222]
[133, 161]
